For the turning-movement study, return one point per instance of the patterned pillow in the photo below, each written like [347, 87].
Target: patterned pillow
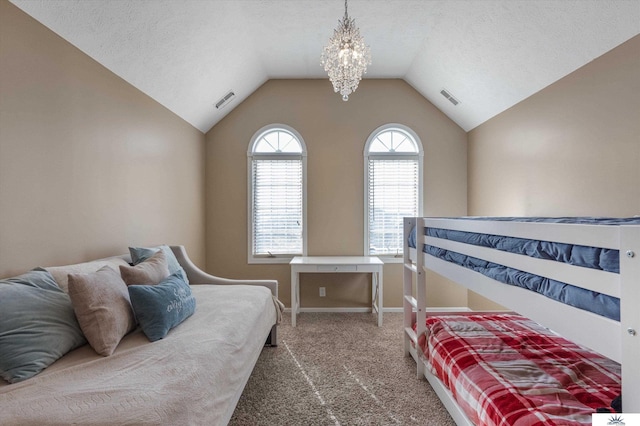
[149, 272]
[161, 307]
[140, 254]
[37, 325]
[102, 306]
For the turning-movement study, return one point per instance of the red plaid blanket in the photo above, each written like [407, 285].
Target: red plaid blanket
[504, 369]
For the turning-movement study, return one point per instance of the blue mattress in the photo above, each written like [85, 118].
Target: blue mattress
[589, 257]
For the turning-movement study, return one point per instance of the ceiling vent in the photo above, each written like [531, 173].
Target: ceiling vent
[225, 100]
[449, 96]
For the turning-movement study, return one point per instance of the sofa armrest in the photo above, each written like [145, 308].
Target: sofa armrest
[198, 276]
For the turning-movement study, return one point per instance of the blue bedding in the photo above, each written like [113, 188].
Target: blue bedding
[589, 257]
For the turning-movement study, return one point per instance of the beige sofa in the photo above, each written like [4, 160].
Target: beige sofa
[195, 375]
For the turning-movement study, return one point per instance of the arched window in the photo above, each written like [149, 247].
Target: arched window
[277, 195]
[393, 187]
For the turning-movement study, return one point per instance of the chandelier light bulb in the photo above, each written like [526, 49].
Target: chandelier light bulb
[346, 57]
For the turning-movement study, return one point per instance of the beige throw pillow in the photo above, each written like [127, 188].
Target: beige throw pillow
[150, 272]
[101, 303]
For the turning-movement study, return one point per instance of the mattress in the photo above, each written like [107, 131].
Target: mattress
[504, 369]
[577, 297]
[194, 375]
[588, 257]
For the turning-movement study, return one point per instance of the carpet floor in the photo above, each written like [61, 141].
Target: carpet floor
[338, 369]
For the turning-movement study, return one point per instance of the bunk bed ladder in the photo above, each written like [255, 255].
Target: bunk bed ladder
[409, 302]
[411, 305]
[421, 290]
[414, 300]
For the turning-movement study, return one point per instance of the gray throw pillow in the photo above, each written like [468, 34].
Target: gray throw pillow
[37, 325]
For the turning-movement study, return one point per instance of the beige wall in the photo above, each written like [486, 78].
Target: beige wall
[88, 164]
[570, 149]
[335, 133]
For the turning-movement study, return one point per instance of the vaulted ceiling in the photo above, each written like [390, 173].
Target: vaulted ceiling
[489, 54]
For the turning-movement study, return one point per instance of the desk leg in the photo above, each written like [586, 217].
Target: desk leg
[374, 289]
[295, 301]
[380, 287]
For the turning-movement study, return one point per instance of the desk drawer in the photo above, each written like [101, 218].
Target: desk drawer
[337, 268]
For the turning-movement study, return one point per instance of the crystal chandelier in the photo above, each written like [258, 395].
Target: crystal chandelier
[346, 57]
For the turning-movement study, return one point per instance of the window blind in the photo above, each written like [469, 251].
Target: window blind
[393, 194]
[277, 207]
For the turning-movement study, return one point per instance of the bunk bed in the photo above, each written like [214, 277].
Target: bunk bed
[587, 301]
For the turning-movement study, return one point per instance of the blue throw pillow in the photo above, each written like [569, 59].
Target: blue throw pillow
[161, 307]
[37, 325]
[140, 254]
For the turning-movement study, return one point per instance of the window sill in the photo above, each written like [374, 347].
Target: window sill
[391, 259]
[269, 260]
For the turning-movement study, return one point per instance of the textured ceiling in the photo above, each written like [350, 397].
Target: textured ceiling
[490, 54]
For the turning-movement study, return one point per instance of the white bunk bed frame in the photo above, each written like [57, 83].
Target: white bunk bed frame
[616, 340]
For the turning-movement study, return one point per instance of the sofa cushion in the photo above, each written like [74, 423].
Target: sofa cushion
[161, 307]
[101, 303]
[37, 325]
[140, 254]
[61, 273]
[149, 272]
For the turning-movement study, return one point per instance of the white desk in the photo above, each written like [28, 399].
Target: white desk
[337, 264]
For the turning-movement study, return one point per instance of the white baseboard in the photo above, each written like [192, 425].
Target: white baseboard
[450, 309]
[331, 310]
[363, 310]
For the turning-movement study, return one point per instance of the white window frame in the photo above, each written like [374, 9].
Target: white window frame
[419, 156]
[251, 155]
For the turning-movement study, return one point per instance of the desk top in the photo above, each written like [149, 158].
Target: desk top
[336, 260]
